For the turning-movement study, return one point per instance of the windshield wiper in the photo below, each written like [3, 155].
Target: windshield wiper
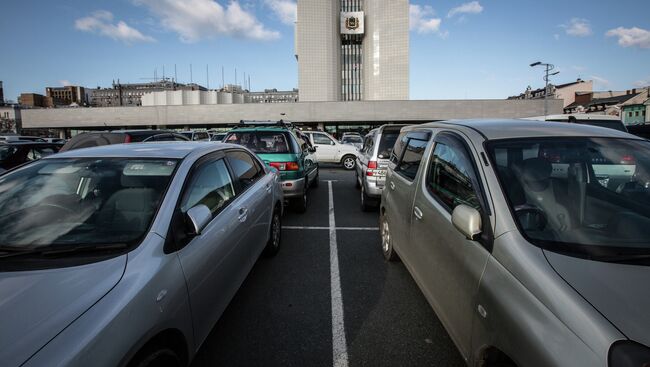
[52, 251]
[626, 258]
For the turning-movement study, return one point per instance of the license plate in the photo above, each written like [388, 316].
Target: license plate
[381, 172]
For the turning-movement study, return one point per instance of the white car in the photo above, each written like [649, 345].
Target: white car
[328, 150]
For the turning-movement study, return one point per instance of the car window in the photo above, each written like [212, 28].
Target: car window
[201, 136]
[40, 152]
[211, 186]
[451, 175]
[386, 143]
[410, 162]
[368, 144]
[6, 151]
[245, 169]
[398, 149]
[263, 142]
[321, 139]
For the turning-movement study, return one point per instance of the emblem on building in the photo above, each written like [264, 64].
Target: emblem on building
[352, 23]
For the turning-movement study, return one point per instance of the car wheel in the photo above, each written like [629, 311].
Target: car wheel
[366, 201]
[156, 357]
[349, 162]
[275, 235]
[386, 240]
[300, 204]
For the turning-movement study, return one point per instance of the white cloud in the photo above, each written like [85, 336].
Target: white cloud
[473, 7]
[599, 81]
[64, 82]
[194, 20]
[577, 27]
[642, 83]
[631, 37]
[422, 20]
[286, 10]
[101, 22]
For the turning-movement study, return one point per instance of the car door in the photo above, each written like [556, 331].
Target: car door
[326, 149]
[447, 265]
[364, 155]
[255, 199]
[216, 262]
[401, 184]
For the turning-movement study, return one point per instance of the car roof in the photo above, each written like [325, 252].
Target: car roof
[578, 116]
[504, 129]
[169, 150]
[28, 142]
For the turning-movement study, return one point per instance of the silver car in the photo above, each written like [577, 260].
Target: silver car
[372, 162]
[128, 254]
[530, 240]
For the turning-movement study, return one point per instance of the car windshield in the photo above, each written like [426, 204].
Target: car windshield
[261, 142]
[81, 202]
[352, 139]
[588, 195]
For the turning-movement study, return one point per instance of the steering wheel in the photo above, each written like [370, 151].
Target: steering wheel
[531, 218]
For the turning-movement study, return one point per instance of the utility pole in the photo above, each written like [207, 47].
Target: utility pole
[549, 68]
[191, 79]
[207, 77]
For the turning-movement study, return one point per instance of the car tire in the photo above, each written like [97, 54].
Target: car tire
[349, 162]
[300, 204]
[275, 235]
[366, 201]
[156, 356]
[386, 240]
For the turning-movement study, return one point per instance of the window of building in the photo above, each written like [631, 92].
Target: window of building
[637, 114]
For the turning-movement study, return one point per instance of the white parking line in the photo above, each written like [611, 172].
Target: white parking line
[339, 345]
[337, 228]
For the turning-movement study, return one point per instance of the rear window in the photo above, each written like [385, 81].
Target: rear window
[387, 142]
[263, 142]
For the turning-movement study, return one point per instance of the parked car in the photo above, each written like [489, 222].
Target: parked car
[218, 136]
[196, 135]
[55, 140]
[99, 138]
[611, 122]
[528, 256]
[354, 140]
[282, 147]
[328, 150]
[15, 153]
[12, 138]
[372, 162]
[127, 255]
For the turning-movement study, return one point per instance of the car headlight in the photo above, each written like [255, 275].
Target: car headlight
[629, 354]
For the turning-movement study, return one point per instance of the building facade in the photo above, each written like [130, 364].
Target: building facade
[272, 96]
[130, 95]
[566, 92]
[352, 50]
[10, 120]
[634, 111]
[65, 96]
[32, 100]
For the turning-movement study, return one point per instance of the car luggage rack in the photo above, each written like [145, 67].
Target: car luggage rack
[267, 123]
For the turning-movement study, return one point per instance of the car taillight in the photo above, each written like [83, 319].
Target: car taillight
[127, 139]
[285, 166]
[372, 165]
[627, 159]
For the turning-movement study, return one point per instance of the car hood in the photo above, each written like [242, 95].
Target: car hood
[618, 291]
[37, 305]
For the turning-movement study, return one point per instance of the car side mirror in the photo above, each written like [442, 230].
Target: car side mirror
[311, 149]
[198, 218]
[467, 221]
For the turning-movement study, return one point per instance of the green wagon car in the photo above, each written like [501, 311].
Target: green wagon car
[282, 146]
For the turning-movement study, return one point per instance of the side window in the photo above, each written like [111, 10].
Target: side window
[451, 175]
[408, 166]
[245, 169]
[398, 149]
[368, 144]
[321, 139]
[211, 186]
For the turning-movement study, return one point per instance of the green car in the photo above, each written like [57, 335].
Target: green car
[284, 148]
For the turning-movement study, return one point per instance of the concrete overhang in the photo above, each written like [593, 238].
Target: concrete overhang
[304, 112]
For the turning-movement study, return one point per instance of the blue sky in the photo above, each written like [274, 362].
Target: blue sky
[459, 49]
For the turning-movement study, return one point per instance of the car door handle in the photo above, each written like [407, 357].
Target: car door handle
[392, 185]
[243, 214]
[268, 187]
[418, 213]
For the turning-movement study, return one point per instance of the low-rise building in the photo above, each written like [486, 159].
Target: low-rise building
[634, 111]
[32, 100]
[130, 94]
[566, 92]
[603, 103]
[10, 118]
[273, 96]
[66, 96]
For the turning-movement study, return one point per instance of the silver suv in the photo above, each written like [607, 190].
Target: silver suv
[372, 161]
[530, 240]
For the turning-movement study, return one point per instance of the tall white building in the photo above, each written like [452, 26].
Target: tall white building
[352, 50]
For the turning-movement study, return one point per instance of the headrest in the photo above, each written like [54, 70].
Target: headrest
[536, 170]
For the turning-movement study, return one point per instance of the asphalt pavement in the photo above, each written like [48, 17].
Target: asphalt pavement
[328, 298]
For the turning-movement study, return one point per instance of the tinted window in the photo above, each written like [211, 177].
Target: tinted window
[451, 175]
[398, 149]
[211, 186]
[262, 142]
[6, 151]
[40, 152]
[386, 143]
[368, 144]
[244, 167]
[320, 139]
[408, 166]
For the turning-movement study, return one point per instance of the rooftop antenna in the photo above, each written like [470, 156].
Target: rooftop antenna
[175, 77]
[223, 80]
[244, 82]
[235, 76]
[249, 83]
[191, 79]
[163, 73]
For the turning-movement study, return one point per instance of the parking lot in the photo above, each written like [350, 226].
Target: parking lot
[329, 298]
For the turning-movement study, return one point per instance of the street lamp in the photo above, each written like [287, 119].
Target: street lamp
[549, 67]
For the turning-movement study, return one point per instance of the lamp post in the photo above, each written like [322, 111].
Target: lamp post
[549, 68]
